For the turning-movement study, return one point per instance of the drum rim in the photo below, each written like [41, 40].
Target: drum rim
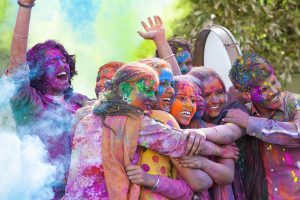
[231, 46]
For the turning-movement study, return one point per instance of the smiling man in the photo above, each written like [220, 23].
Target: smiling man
[43, 103]
[275, 121]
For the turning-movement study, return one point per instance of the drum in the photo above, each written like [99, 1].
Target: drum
[216, 47]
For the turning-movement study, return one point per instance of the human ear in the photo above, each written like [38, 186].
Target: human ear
[246, 96]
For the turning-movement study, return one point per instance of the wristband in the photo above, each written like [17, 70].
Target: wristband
[169, 56]
[156, 184]
[25, 6]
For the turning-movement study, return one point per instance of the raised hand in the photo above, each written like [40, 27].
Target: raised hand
[154, 30]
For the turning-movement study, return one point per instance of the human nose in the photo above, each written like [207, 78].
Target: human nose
[170, 90]
[214, 99]
[188, 102]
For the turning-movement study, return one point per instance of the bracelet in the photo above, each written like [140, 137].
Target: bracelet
[21, 36]
[156, 184]
[169, 56]
[26, 6]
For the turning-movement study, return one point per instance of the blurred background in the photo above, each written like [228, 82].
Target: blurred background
[99, 31]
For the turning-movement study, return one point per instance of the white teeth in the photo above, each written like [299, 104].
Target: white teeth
[166, 99]
[62, 74]
[214, 107]
[186, 113]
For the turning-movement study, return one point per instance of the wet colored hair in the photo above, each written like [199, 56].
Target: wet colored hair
[114, 65]
[177, 45]
[249, 71]
[205, 74]
[35, 58]
[111, 103]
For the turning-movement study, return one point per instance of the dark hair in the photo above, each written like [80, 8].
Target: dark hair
[249, 71]
[111, 103]
[205, 73]
[177, 44]
[35, 57]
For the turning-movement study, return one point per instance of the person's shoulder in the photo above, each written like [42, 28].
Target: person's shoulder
[164, 118]
[236, 105]
[292, 99]
[77, 98]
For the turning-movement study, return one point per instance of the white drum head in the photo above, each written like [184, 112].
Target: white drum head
[216, 48]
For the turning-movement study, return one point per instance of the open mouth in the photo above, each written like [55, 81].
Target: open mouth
[62, 76]
[215, 107]
[166, 100]
[185, 113]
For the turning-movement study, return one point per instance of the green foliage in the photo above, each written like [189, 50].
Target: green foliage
[3, 6]
[271, 28]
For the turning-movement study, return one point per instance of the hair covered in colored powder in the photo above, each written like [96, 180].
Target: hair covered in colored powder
[111, 103]
[156, 63]
[35, 58]
[178, 45]
[205, 74]
[249, 71]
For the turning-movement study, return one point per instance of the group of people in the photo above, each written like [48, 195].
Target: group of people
[160, 128]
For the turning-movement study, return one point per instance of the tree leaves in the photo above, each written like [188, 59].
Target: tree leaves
[271, 28]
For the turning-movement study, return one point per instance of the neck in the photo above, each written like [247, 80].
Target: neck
[54, 93]
[264, 112]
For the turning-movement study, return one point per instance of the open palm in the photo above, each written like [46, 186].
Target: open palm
[154, 30]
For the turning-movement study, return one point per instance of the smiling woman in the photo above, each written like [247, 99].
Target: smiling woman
[184, 104]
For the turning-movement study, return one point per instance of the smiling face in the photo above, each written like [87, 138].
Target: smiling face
[165, 91]
[143, 94]
[57, 72]
[215, 97]
[267, 94]
[184, 105]
[184, 60]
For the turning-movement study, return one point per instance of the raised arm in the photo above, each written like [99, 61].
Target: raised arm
[20, 35]
[156, 31]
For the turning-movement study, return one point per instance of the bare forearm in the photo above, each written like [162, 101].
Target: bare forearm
[20, 38]
[211, 149]
[223, 134]
[165, 51]
[197, 179]
[221, 172]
